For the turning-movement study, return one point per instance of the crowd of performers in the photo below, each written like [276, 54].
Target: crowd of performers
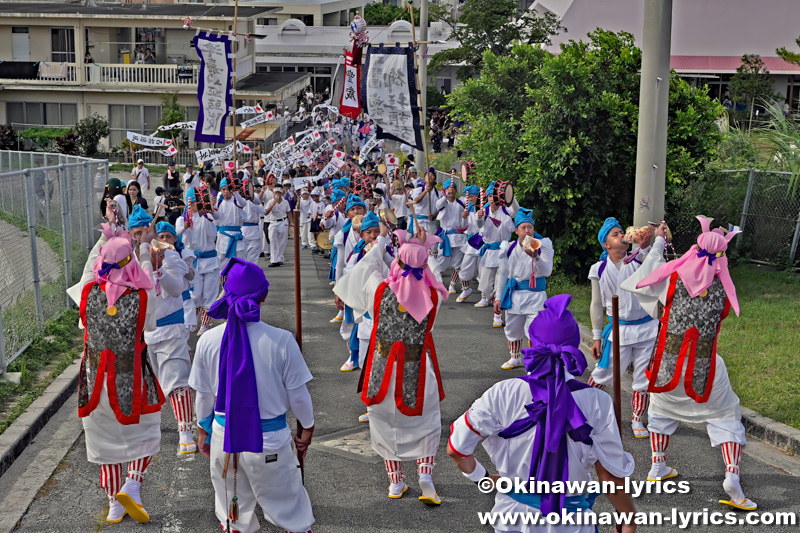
[150, 283]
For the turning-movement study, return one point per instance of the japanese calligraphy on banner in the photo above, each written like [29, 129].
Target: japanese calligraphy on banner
[147, 140]
[214, 86]
[171, 150]
[213, 154]
[390, 94]
[349, 106]
[371, 143]
[177, 126]
[255, 120]
[327, 172]
[249, 110]
[269, 159]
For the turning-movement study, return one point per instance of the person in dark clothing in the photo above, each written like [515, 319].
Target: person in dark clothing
[175, 205]
[172, 178]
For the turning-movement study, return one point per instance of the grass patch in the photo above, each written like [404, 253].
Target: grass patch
[759, 347]
[53, 350]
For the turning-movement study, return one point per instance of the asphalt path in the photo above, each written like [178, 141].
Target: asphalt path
[345, 479]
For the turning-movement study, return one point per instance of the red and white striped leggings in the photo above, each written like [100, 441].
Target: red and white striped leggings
[394, 468]
[111, 475]
[181, 400]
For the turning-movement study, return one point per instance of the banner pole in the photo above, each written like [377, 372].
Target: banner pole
[235, 49]
[615, 361]
[419, 103]
[298, 314]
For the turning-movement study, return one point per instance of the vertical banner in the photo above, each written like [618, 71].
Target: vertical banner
[390, 94]
[214, 87]
[349, 105]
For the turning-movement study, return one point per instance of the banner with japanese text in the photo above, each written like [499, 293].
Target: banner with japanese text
[349, 105]
[214, 86]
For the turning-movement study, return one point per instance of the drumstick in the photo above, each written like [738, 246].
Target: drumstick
[156, 214]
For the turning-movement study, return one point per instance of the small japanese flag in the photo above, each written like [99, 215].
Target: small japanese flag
[316, 135]
[172, 150]
[270, 115]
[338, 154]
[258, 108]
[309, 153]
[327, 126]
[246, 149]
[290, 141]
[229, 165]
[391, 161]
[332, 141]
[167, 142]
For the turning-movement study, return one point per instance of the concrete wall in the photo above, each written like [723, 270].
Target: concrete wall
[106, 45]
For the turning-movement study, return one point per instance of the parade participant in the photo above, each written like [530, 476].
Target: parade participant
[424, 198]
[251, 235]
[305, 218]
[546, 426]
[190, 178]
[497, 228]
[229, 215]
[138, 224]
[257, 373]
[168, 347]
[398, 203]
[140, 173]
[524, 267]
[280, 221]
[317, 210]
[469, 263]
[453, 219]
[637, 329]
[113, 191]
[172, 237]
[334, 220]
[119, 398]
[343, 243]
[378, 203]
[200, 236]
[688, 378]
[401, 384]
[369, 231]
[266, 197]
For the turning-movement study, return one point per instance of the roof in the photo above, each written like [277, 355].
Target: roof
[727, 64]
[271, 83]
[201, 11]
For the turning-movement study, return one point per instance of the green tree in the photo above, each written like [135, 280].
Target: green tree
[384, 14]
[788, 55]
[752, 83]
[563, 127]
[90, 130]
[496, 26]
[171, 112]
[43, 138]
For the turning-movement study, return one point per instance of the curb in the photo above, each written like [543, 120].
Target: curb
[25, 428]
[756, 425]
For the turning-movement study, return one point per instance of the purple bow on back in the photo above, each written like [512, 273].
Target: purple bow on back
[553, 412]
[237, 393]
[106, 269]
[705, 253]
[417, 271]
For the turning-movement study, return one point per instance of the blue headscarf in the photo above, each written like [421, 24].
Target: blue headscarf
[523, 215]
[237, 394]
[473, 189]
[336, 196]
[166, 227]
[490, 189]
[223, 183]
[447, 183]
[344, 182]
[335, 184]
[602, 235]
[139, 218]
[353, 201]
[370, 221]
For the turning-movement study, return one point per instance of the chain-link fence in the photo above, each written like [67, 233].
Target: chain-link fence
[49, 205]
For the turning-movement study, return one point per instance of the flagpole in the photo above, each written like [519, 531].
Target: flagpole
[233, 79]
[419, 103]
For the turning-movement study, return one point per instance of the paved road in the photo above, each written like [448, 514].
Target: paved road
[346, 481]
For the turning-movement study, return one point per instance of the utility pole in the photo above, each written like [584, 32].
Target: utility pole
[651, 148]
[422, 163]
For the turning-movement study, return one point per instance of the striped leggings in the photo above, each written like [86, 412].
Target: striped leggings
[111, 475]
[395, 468]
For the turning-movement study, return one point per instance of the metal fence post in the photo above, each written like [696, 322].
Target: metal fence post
[746, 207]
[87, 208]
[34, 257]
[62, 183]
[795, 239]
[3, 360]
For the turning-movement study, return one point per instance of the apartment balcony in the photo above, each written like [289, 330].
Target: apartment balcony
[99, 76]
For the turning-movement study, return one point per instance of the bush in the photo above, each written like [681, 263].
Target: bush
[43, 138]
[8, 138]
[68, 144]
[90, 130]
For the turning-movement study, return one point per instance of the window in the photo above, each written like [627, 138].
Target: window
[267, 22]
[62, 45]
[135, 118]
[262, 68]
[42, 114]
[15, 112]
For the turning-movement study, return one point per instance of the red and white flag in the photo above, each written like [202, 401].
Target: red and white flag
[338, 154]
[349, 105]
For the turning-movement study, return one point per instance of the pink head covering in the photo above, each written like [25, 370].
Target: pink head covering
[701, 264]
[118, 268]
[410, 281]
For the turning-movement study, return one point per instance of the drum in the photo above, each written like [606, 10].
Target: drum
[324, 241]
[382, 169]
[248, 189]
[203, 203]
[388, 217]
[504, 193]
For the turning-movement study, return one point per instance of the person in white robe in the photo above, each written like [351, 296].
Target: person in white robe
[251, 232]
[344, 242]
[280, 213]
[546, 426]
[247, 375]
[229, 216]
[453, 217]
[525, 265]
[469, 262]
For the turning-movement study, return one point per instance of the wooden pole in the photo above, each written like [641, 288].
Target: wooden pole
[419, 104]
[235, 50]
[615, 361]
[298, 316]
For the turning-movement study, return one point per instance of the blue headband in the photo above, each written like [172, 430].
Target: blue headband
[165, 227]
[523, 216]
[370, 221]
[490, 190]
[223, 183]
[473, 189]
[336, 196]
[354, 201]
[447, 183]
[139, 218]
[344, 182]
[602, 235]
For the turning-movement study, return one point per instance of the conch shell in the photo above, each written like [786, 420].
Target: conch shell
[634, 235]
[369, 247]
[357, 220]
[530, 243]
[157, 246]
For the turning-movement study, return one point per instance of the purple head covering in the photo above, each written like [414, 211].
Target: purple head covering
[554, 338]
[237, 395]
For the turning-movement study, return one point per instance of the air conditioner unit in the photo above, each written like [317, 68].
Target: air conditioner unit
[176, 59]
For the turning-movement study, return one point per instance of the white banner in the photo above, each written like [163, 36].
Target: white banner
[168, 152]
[249, 110]
[147, 140]
[255, 120]
[214, 87]
[327, 172]
[212, 154]
[371, 143]
[388, 100]
[177, 126]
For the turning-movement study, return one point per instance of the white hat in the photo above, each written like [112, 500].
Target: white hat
[140, 161]
[303, 191]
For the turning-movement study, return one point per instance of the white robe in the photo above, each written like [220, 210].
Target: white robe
[502, 405]
[395, 436]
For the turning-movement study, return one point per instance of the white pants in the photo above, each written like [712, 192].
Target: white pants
[270, 478]
[205, 289]
[171, 363]
[454, 261]
[469, 267]
[252, 249]
[278, 233]
[640, 354]
[719, 431]
[517, 326]
[486, 285]
[305, 233]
